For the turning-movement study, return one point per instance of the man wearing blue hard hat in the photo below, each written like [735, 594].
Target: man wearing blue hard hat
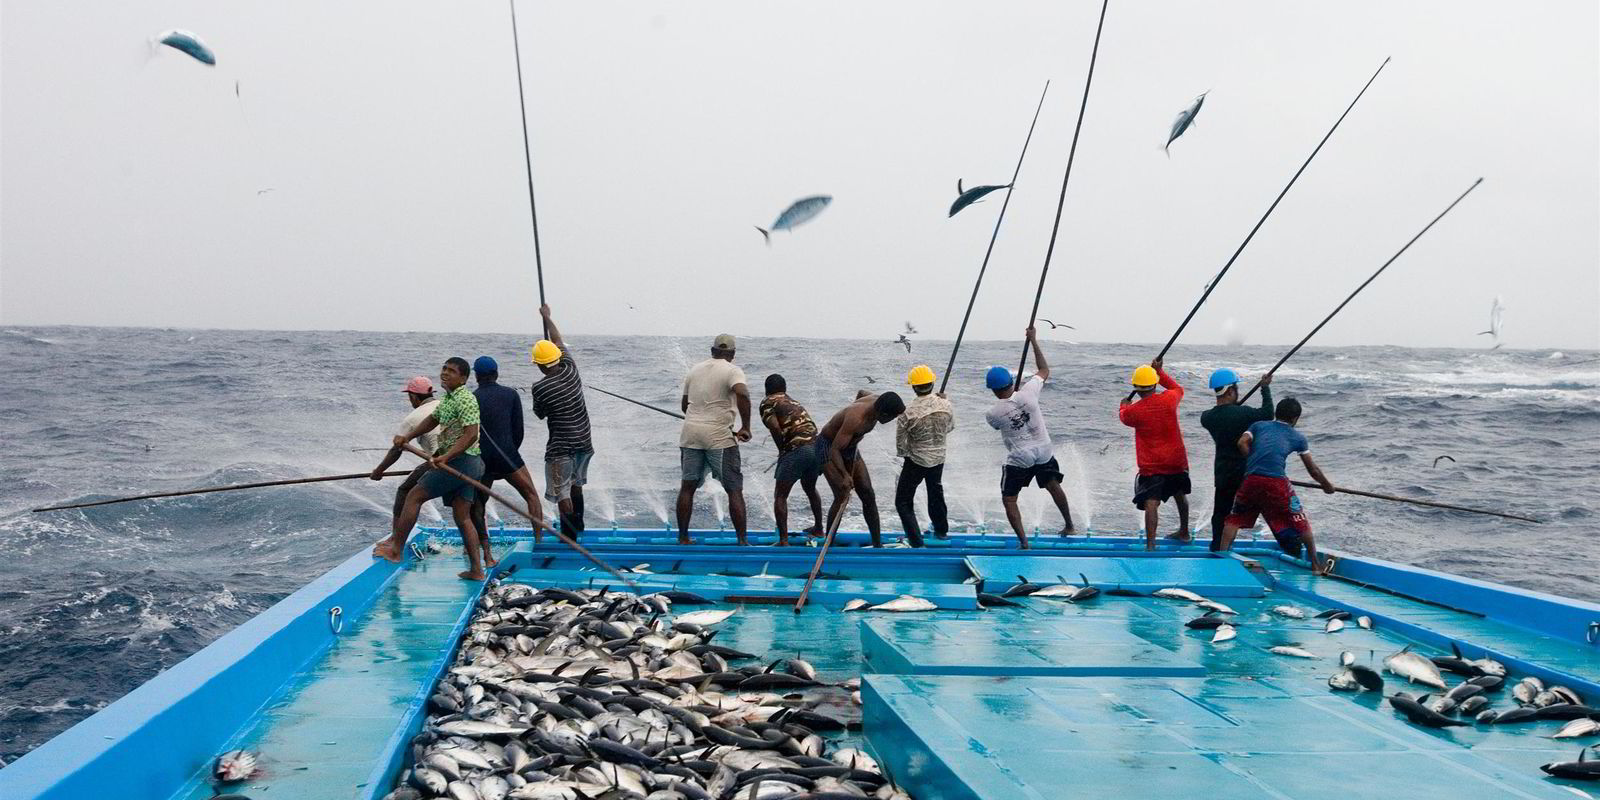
[1226, 422]
[500, 436]
[1030, 457]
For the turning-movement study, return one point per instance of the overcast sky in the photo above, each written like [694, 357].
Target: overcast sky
[131, 188]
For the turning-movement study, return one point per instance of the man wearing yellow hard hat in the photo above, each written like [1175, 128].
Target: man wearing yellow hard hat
[558, 400]
[1158, 449]
[919, 440]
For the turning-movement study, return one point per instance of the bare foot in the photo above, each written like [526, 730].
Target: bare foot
[684, 539]
[743, 541]
[471, 575]
[1180, 536]
[783, 541]
[387, 552]
[489, 560]
[1068, 530]
[814, 530]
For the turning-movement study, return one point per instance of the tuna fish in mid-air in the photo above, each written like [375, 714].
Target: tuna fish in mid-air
[187, 43]
[798, 213]
[1415, 668]
[1497, 313]
[966, 197]
[1184, 120]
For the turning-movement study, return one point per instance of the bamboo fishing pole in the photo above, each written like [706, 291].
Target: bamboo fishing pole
[1004, 204]
[657, 409]
[229, 488]
[1363, 285]
[565, 539]
[827, 541]
[1242, 245]
[527, 157]
[1061, 202]
[1416, 502]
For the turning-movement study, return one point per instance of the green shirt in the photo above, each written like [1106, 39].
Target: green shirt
[456, 410]
[1227, 423]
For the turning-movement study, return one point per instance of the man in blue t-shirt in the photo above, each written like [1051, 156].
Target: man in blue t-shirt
[1266, 490]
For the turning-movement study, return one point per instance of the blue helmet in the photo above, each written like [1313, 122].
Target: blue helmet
[485, 364]
[997, 378]
[1223, 378]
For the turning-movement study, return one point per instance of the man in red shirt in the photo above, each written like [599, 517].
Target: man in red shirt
[1158, 447]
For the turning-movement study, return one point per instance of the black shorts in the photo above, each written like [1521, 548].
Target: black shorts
[1013, 478]
[800, 464]
[1159, 488]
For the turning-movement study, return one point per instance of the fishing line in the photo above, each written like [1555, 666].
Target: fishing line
[1072, 153]
[527, 158]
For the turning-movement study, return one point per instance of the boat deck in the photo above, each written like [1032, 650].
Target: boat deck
[1098, 697]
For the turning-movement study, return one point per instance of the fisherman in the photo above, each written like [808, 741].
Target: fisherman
[1158, 449]
[712, 390]
[419, 392]
[1266, 490]
[456, 418]
[919, 439]
[1226, 422]
[841, 463]
[1029, 454]
[793, 432]
[500, 408]
[558, 400]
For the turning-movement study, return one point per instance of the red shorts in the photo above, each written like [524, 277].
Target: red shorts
[1272, 498]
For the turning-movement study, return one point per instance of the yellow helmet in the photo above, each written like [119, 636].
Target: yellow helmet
[546, 353]
[921, 374]
[1145, 377]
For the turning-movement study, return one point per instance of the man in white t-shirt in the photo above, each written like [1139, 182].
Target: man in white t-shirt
[419, 391]
[711, 391]
[1030, 457]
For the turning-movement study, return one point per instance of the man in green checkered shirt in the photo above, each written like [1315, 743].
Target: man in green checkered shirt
[456, 419]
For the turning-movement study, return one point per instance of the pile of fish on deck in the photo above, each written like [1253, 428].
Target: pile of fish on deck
[1481, 677]
[561, 695]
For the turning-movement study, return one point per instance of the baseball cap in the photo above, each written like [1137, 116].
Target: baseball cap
[485, 364]
[419, 385]
[724, 341]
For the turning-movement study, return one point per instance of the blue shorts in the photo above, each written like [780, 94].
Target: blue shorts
[441, 484]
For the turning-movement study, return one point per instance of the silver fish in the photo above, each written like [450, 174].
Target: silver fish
[966, 197]
[1174, 593]
[1414, 668]
[234, 766]
[1185, 119]
[1344, 681]
[1224, 633]
[1290, 650]
[1289, 611]
[461, 790]
[855, 759]
[1365, 622]
[1582, 726]
[1333, 626]
[429, 781]
[1497, 313]
[798, 213]
[856, 604]
[705, 617]
[1212, 605]
[906, 602]
[186, 43]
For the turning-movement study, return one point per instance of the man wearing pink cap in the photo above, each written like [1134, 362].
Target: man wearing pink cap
[419, 391]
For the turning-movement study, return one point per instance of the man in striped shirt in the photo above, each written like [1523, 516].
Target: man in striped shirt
[558, 399]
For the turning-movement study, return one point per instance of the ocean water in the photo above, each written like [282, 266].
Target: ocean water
[93, 602]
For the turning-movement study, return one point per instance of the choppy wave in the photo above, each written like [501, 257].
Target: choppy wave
[95, 601]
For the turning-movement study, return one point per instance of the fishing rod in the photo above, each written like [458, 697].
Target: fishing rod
[992, 237]
[1242, 245]
[527, 157]
[1363, 285]
[827, 541]
[229, 488]
[658, 409]
[565, 539]
[1413, 501]
[1061, 202]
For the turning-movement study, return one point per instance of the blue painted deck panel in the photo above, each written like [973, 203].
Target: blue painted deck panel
[1212, 577]
[1046, 645]
[829, 593]
[984, 738]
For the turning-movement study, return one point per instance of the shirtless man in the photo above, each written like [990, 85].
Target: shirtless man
[837, 443]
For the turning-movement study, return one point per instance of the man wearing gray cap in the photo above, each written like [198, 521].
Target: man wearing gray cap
[711, 391]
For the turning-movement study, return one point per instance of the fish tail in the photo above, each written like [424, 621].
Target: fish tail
[765, 235]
